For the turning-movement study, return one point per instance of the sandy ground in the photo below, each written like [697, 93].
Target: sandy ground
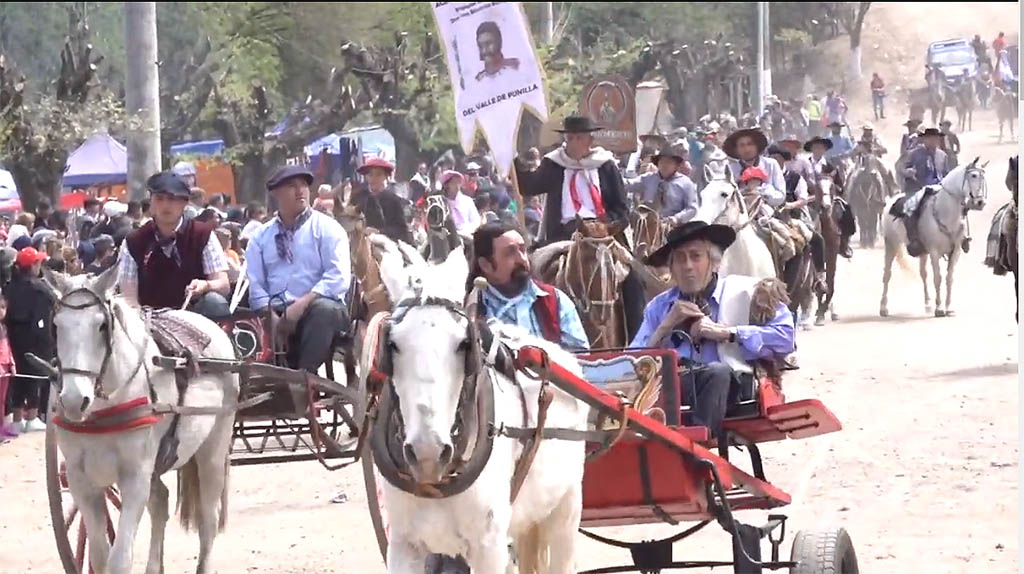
[924, 475]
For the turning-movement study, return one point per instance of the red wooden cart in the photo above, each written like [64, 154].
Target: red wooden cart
[658, 470]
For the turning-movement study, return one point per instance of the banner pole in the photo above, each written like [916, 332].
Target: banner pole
[520, 205]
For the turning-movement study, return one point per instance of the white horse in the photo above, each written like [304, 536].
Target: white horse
[428, 342]
[106, 355]
[942, 228]
[721, 203]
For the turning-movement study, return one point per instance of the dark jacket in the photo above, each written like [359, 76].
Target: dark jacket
[29, 317]
[548, 179]
[162, 280]
[384, 211]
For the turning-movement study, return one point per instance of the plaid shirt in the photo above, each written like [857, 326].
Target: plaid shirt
[214, 261]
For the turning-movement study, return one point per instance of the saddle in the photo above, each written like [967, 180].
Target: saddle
[174, 335]
[897, 207]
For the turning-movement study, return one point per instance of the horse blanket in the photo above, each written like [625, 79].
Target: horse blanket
[996, 247]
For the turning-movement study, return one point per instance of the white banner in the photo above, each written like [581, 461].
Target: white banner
[494, 72]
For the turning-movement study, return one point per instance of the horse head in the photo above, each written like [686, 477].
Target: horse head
[85, 320]
[721, 202]
[437, 211]
[967, 183]
[1011, 177]
[647, 229]
[428, 373]
[352, 220]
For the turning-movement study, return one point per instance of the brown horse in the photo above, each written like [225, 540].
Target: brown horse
[590, 269]
[648, 230]
[824, 193]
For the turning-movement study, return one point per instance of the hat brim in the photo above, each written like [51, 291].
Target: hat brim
[760, 140]
[657, 157]
[579, 130]
[306, 176]
[827, 143]
[721, 235]
[365, 169]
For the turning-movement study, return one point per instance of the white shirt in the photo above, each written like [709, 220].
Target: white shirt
[583, 179]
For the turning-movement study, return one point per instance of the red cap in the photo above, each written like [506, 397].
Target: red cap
[29, 256]
[753, 173]
[376, 162]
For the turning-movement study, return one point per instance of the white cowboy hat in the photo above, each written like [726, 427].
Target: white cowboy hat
[471, 166]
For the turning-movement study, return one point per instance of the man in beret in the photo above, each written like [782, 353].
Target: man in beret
[171, 258]
[380, 205]
[298, 264]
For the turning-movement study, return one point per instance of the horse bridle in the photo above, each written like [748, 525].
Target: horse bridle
[475, 409]
[108, 334]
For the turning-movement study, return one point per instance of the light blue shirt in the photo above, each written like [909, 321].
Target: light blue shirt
[840, 145]
[519, 311]
[775, 339]
[320, 262]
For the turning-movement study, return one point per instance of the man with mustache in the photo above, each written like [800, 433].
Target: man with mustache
[298, 264]
[703, 319]
[512, 296]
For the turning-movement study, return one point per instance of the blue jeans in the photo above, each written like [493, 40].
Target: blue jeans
[211, 305]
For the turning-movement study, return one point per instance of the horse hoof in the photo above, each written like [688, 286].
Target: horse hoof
[940, 313]
[883, 312]
[835, 317]
[950, 313]
[819, 322]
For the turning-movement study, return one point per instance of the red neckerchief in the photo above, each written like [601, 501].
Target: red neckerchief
[595, 195]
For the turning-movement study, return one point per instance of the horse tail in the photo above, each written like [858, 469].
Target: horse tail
[903, 260]
[188, 494]
[222, 519]
[532, 552]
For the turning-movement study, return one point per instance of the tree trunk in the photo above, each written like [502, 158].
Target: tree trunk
[855, 62]
[142, 94]
[251, 181]
[407, 145]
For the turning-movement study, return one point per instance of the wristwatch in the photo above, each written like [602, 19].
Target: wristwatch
[732, 334]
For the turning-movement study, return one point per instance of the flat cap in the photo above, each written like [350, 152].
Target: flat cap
[287, 172]
[167, 183]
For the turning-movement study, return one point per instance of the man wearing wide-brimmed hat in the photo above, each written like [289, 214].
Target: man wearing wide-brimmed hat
[377, 201]
[698, 318]
[745, 149]
[673, 194]
[909, 140]
[583, 182]
[580, 181]
[925, 165]
[841, 144]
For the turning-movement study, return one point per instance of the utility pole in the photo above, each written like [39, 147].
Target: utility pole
[759, 87]
[549, 22]
[767, 37]
[142, 94]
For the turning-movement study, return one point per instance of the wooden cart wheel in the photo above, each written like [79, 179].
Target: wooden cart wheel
[374, 500]
[68, 527]
[826, 551]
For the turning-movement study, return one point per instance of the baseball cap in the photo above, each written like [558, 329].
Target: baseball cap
[29, 256]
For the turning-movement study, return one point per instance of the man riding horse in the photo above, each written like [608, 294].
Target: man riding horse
[172, 259]
[822, 165]
[699, 318]
[795, 208]
[926, 165]
[673, 194]
[583, 182]
[377, 201]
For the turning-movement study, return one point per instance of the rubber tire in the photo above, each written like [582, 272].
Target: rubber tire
[826, 551]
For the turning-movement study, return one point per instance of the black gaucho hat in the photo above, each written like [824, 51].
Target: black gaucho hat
[577, 125]
[720, 235]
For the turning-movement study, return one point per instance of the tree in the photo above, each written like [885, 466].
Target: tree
[37, 130]
[851, 17]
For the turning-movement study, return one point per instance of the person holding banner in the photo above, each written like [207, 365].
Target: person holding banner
[582, 181]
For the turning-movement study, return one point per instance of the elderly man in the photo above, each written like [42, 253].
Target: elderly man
[583, 182]
[673, 194]
[383, 209]
[745, 148]
[513, 296]
[298, 264]
[172, 258]
[695, 317]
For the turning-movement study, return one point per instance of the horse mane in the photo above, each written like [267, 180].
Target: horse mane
[541, 258]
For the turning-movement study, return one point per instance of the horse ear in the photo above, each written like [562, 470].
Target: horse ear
[708, 176]
[58, 282]
[103, 286]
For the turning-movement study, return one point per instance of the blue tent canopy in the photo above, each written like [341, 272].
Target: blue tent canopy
[201, 148]
[100, 160]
